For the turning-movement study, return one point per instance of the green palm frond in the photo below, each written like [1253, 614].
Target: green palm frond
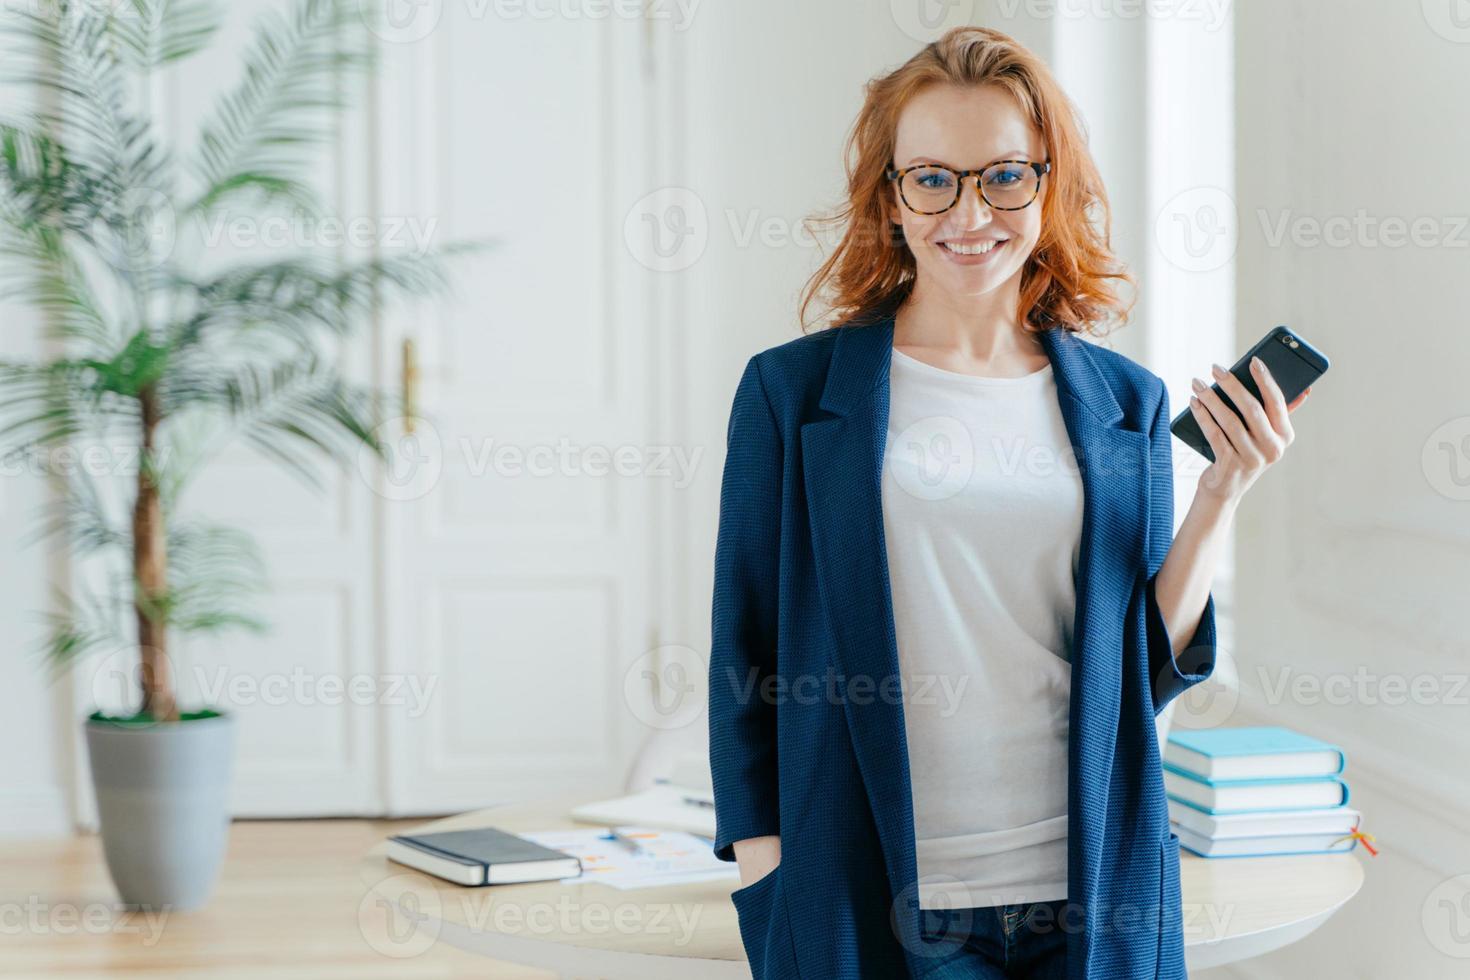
[156, 32]
[73, 53]
[82, 623]
[298, 297]
[152, 353]
[45, 405]
[261, 134]
[215, 574]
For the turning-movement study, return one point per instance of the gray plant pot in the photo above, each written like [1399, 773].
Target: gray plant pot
[163, 798]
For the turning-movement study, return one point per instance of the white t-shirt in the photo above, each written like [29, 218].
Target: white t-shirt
[982, 521]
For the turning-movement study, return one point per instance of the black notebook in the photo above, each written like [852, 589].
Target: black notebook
[485, 856]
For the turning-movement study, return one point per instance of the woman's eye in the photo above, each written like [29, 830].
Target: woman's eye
[934, 181]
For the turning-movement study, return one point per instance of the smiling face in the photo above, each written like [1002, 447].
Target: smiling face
[971, 249]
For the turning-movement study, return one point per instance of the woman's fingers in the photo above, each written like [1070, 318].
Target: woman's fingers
[1260, 424]
[1219, 443]
[1275, 400]
[1234, 429]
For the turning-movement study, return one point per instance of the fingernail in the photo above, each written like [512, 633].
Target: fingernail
[1219, 371]
[1256, 362]
[1198, 384]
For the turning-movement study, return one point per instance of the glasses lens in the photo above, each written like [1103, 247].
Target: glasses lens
[1009, 185]
[929, 189]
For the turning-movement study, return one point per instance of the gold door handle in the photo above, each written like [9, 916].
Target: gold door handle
[410, 381]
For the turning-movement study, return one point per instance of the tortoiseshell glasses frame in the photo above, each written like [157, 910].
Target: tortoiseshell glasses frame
[1040, 169]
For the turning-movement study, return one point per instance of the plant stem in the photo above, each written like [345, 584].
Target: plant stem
[150, 570]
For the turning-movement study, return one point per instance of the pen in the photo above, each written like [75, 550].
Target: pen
[696, 801]
[626, 841]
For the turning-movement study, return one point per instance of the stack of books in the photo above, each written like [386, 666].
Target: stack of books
[1252, 792]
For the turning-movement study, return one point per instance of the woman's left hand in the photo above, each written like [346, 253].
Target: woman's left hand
[1243, 449]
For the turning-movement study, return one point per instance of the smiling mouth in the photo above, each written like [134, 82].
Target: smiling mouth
[973, 248]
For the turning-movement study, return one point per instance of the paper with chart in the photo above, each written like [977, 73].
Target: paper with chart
[667, 857]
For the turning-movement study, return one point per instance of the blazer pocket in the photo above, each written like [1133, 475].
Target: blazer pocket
[757, 906]
[1171, 912]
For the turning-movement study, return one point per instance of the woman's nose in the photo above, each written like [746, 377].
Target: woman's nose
[972, 209]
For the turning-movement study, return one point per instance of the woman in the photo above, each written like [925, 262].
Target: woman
[947, 609]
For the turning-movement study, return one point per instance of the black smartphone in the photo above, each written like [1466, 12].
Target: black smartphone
[1294, 363]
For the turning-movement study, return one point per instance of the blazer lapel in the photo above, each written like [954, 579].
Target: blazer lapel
[843, 459]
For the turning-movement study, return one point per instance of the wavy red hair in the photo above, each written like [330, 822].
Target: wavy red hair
[1068, 278]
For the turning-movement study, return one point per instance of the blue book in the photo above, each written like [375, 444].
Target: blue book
[1252, 795]
[1265, 752]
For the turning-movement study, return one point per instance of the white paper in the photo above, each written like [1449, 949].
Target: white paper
[668, 856]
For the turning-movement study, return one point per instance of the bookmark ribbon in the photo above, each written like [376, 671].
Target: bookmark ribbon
[1359, 835]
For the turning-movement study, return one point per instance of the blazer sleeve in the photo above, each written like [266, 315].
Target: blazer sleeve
[1170, 676]
[742, 723]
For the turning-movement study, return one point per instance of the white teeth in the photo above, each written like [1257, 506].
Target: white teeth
[979, 248]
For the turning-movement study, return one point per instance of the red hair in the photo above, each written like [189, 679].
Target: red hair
[1066, 279]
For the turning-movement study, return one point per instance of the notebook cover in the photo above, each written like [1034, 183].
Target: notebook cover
[485, 845]
[1259, 740]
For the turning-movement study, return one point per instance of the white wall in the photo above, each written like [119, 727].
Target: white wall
[1354, 553]
[34, 795]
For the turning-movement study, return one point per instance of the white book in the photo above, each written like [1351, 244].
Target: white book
[1264, 846]
[1264, 823]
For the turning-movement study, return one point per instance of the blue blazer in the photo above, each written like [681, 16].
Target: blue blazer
[806, 721]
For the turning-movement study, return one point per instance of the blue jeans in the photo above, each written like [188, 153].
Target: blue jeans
[996, 942]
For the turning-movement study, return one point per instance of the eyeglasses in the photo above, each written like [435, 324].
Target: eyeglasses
[1006, 185]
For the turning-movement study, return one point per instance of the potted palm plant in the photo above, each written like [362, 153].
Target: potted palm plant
[167, 353]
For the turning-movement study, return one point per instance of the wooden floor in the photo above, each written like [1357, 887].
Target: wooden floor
[288, 904]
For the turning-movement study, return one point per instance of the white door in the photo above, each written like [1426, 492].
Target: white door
[516, 517]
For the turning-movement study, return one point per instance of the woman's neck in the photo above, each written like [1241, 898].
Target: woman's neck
[978, 334]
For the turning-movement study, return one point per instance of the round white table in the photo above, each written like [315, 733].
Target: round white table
[1234, 909]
